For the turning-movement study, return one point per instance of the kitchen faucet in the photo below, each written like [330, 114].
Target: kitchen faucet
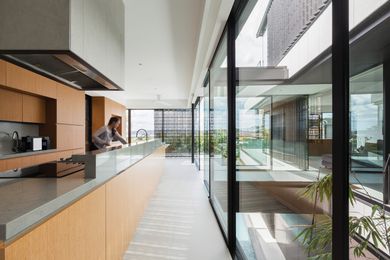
[15, 147]
[141, 133]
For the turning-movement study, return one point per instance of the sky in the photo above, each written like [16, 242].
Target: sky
[142, 119]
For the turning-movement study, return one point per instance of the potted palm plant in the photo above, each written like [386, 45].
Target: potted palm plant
[373, 229]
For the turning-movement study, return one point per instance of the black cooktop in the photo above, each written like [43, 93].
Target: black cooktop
[55, 169]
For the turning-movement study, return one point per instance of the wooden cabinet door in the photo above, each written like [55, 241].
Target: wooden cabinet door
[64, 137]
[70, 106]
[19, 78]
[79, 137]
[70, 137]
[10, 106]
[2, 73]
[34, 109]
[64, 105]
[46, 87]
[77, 232]
[78, 108]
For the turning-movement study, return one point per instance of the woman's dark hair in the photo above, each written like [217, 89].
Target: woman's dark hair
[113, 120]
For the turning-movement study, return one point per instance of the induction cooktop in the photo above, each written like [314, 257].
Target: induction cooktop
[55, 169]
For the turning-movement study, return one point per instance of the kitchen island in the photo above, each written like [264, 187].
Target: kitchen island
[76, 216]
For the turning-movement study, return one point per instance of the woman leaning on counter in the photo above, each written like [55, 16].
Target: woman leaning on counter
[105, 134]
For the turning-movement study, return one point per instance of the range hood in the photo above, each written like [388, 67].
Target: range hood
[76, 42]
[65, 67]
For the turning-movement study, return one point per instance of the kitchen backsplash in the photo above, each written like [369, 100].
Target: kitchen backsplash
[23, 130]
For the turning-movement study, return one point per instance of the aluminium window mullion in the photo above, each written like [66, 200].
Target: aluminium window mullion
[340, 141]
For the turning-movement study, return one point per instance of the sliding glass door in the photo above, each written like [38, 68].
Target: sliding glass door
[311, 153]
[197, 136]
[275, 159]
[206, 133]
[218, 134]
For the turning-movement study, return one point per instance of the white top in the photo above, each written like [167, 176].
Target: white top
[104, 135]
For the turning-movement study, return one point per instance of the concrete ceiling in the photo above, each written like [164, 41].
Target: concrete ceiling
[168, 46]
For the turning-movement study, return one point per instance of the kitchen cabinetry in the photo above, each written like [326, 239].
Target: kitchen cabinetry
[34, 109]
[70, 137]
[77, 232]
[127, 196]
[64, 105]
[60, 111]
[2, 73]
[11, 107]
[19, 78]
[70, 106]
[45, 87]
[17, 107]
[78, 108]
[100, 225]
[65, 137]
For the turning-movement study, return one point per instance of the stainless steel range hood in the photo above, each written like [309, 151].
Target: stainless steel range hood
[78, 43]
[65, 67]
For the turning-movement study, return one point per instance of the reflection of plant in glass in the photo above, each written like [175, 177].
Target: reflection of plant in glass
[317, 238]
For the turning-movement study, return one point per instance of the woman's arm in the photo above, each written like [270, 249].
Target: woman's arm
[118, 137]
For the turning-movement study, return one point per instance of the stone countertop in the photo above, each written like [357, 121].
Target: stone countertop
[27, 202]
[23, 154]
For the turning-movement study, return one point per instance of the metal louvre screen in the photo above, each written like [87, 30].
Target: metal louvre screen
[172, 126]
[177, 132]
[158, 124]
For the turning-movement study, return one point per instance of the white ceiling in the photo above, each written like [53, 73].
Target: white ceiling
[162, 35]
[168, 45]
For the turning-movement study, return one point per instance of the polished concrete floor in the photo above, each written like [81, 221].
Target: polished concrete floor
[178, 223]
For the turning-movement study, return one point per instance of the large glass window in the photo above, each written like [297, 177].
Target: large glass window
[218, 134]
[366, 135]
[206, 134]
[172, 126]
[283, 122]
[197, 135]
[142, 125]
[286, 125]
[368, 130]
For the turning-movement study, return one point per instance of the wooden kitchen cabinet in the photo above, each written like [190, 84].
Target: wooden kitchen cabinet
[77, 232]
[99, 225]
[70, 137]
[79, 137]
[45, 87]
[11, 107]
[64, 137]
[78, 108]
[34, 109]
[2, 73]
[13, 163]
[19, 78]
[64, 105]
[70, 106]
